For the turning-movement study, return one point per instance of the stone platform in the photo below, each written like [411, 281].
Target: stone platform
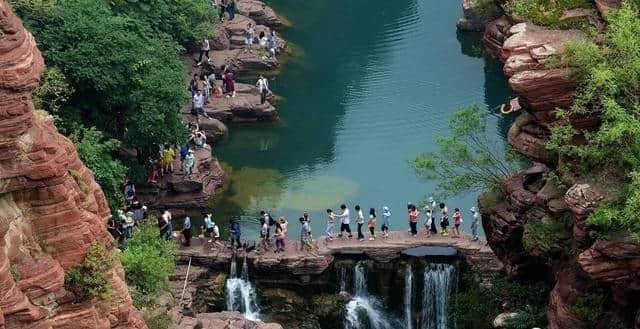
[302, 264]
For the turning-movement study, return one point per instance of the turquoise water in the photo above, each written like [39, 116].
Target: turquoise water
[373, 84]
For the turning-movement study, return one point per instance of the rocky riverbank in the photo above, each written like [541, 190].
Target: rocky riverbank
[581, 268]
[175, 191]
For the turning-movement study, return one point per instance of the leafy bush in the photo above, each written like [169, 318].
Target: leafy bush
[609, 77]
[158, 321]
[90, 279]
[96, 153]
[186, 21]
[589, 308]
[148, 261]
[545, 12]
[468, 160]
[548, 235]
[477, 304]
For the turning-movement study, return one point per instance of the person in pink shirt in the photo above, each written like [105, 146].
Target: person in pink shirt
[457, 220]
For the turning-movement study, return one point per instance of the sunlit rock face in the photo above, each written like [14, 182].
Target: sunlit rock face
[51, 208]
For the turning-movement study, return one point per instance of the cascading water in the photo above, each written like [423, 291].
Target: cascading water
[439, 280]
[408, 297]
[363, 310]
[241, 295]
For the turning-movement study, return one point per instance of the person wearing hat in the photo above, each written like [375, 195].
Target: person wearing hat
[189, 163]
[428, 220]
[474, 223]
[386, 215]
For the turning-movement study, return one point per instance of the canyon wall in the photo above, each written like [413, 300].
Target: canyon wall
[579, 266]
[51, 208]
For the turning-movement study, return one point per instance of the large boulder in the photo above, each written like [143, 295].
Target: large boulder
[495, 33]
[582, 199]
[259, 12]
[615, 261]
[226, 320]
[477, 13]
[51, 208]
[530, 139]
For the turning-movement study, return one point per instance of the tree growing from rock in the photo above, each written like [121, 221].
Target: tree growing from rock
[468, 160]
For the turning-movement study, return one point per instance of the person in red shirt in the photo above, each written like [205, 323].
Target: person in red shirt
[413, 220]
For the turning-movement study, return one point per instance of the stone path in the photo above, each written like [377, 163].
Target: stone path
[296, 262]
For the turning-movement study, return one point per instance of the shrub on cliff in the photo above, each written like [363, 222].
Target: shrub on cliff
[477, 304]
[90, 279]
[148, 261]
[468, 160]
[609, 77]
[96, 153]
[545, 12]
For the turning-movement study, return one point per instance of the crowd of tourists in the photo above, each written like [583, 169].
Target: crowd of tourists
[432, 213]
[132, 214]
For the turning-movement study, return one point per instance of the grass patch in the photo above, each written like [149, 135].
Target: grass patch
[547, 12]
[549, 235]
[80, 181]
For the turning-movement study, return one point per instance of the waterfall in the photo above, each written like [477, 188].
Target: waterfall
[240, 293]
[360, 280]
[439, 280]
[364, 311]
[343, 279]
[408, 297]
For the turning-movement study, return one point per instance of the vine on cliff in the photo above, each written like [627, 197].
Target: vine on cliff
[90, 279]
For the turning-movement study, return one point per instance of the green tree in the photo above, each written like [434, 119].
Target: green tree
[467, 160]
[148, 261]
[127, 78]
[97, 153]
[185, 21]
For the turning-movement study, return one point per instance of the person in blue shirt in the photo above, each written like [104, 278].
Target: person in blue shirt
[236, 233]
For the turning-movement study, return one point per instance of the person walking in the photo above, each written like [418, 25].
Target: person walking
[444, 219]
[164, 224]
[372, 223]
[386, 216]
[222, 4]
[229, 83]
[428, 220]
[194, 84]
[305, 234]
[248, 38]
[457, 221]
[271, 45]
[360, 222]
[186, 231]
[231, 9]
[474, 223]
[184, 150]
[331, 220]
[204, 50]
[413, 220]
[263, 87]
[189, 164]
[198, 105]
[207, 90]
[129, 191]
[283, 224]
[345, 220]
[280, 238]
[236, 233]
[168, 156]
[208, 224]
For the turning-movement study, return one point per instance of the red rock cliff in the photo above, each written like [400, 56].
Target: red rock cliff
[48, 218]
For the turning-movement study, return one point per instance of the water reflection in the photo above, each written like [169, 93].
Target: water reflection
[377, 84]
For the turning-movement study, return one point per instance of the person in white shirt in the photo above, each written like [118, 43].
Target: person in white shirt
[331, 219]
[345, 220]
[474, 223]
[198, 104]
[263, 87]
[204, 50]
[360, 222]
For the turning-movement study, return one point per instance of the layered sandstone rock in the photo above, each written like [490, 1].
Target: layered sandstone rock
[51, 209]
[259, 12]
[495, 33]
[615, 261]
[227, 320]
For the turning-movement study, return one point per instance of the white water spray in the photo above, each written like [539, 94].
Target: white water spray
[408, 297]
[241, 295]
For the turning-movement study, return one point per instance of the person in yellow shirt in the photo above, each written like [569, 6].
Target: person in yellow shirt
[168, 156]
